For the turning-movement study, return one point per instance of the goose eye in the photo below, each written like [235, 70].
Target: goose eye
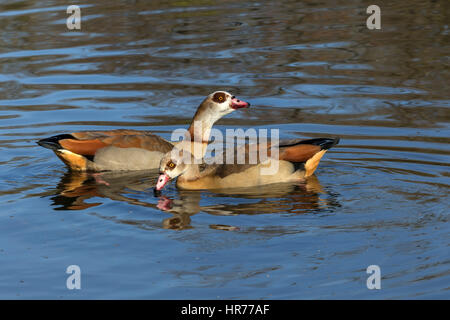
[171, 165]
[219, 97]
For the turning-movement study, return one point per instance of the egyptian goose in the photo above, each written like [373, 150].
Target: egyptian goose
[124, 149]
[296, 160]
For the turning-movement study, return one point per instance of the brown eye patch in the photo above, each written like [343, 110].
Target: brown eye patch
[171, 165]
[219, 97]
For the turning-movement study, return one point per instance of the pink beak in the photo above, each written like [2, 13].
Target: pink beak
[162, 181]
[237, 104]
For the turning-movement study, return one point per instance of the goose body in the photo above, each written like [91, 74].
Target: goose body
[123, 149]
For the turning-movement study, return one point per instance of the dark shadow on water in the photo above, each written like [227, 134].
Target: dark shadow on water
[77, 187]
[74, 189]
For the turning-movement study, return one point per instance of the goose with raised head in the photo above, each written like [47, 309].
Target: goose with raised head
[125, 149]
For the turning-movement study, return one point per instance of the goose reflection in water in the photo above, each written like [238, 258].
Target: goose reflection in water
[75, 189]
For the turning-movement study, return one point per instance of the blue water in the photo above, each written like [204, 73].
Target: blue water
[309, 69]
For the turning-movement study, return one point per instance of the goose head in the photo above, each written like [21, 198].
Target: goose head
[172, 165]
[224, 102]
[216, 105]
